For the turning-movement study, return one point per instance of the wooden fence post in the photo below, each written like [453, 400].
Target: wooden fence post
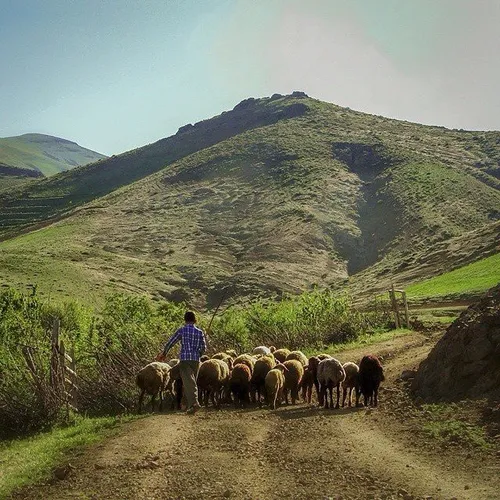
[392, 294]
[70, 386]
[407, 312]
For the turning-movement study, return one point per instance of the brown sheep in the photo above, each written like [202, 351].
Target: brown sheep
[239, 383]
[153, 379]
[312, 365]
[260, 370]
[351, 381]
[175, 386]
[293, 376]
[212, 378]
[306, 384]
[275, 381]
[330, 375]
[281, 354]
[246, 359]
[299, 356]
[371, 373]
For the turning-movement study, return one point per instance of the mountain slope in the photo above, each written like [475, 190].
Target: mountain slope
[43, 154]
[310, 197]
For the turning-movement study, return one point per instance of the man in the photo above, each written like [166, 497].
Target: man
[193, 345]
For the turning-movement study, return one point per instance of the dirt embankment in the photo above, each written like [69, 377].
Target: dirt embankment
[295, 452]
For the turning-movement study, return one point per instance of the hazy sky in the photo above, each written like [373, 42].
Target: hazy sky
[116, 74]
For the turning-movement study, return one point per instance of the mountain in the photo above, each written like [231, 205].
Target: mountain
[39, 155]
[277, 195]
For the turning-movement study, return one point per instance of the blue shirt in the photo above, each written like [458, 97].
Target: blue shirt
[193, 343]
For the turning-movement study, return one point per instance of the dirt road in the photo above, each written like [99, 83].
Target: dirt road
[295, 452]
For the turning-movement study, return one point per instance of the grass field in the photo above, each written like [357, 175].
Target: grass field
[29, 460]
[476, 277]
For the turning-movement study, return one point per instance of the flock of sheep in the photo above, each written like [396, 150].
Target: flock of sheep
[267, 374]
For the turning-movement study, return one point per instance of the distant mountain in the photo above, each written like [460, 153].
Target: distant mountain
[277, 195]
[33, 155]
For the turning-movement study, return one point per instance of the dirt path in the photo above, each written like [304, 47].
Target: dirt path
[298, 452]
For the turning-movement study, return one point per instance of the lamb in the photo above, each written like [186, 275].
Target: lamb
[245, 359]
[351, 381]
[299, 356]
[312, 368]
[260, 370]
[213, 375]
[262, 349]
[232, 353]
[371, 373]
[275, 381]
[330, 375]
[239, 383]
[306, 384]
[175, 385]
[281, 354]
[293, 376]
[153, 379]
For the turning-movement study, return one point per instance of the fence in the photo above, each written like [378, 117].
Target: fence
[395, 307]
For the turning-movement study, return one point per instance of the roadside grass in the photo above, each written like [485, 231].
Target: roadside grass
[362, 341]
[30, 460]
[476, 277]
[443, 426]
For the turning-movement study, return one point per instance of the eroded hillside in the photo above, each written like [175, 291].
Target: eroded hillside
[300, 193]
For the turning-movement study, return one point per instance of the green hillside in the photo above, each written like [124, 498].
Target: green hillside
[476, 277]
[279, 195]
[44, 154]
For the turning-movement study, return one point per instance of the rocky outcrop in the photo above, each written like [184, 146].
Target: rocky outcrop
[465, 363]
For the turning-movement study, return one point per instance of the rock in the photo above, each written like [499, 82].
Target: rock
[408, 374]
[63, 471]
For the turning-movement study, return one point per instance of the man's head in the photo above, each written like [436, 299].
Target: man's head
[189, 317]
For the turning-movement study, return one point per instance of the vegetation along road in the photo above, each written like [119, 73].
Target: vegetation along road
[294, 452]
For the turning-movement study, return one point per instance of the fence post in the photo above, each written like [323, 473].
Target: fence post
[55, 374]
[407, 312]
[394, 302]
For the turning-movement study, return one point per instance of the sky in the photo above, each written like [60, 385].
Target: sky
[113, 75]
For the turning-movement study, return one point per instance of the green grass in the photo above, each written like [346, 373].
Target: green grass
[476, 277]
[30, 460]
[362, 341]
[444, 427]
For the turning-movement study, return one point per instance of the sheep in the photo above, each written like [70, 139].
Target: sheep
[221, 355]
[281, 355]
[153, 379]
[262, 349]
[371, 373]
[299, 356]
[232, 353]
[323, 356]
[260, 370]
[293, 376]
[312, 377]
[239, 383]
[351, 381]
[275, 381]
[175, 386]
[246, 359]
[306, 384]
[330, 375]
[213, 375]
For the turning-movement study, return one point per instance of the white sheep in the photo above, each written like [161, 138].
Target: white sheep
[153, 379]
[262, 350]
[330, 375]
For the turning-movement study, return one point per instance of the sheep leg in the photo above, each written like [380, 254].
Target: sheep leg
[344, 394]
[153, 400]
[338, 396]
[286, 396]
[375, 396]
[161, 400]
[141, 399]
[350, 396]
[317, 385]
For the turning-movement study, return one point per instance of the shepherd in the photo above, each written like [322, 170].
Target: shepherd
[193, 345]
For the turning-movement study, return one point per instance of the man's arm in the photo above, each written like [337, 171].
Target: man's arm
[172, 340]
